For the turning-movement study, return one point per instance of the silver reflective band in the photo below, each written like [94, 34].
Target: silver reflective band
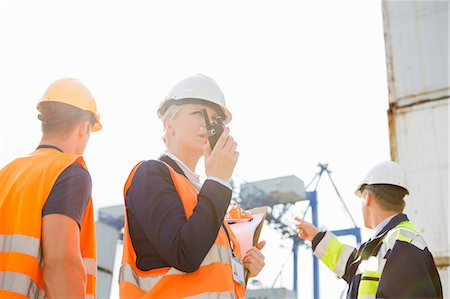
[322, 247]
[21, 244]
[217, 254]
[419, 242]
[91, 266]
[342, 260]
[214, 295]
[89, 296]
[145, 284]
[21, 284]
[416, 241]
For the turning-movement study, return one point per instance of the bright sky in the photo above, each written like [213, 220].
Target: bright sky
[305, 81]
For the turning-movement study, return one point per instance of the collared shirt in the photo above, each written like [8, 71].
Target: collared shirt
[380, 226]
[192, 176]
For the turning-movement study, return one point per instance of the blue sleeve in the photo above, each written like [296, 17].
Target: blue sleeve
[155, 204]
[409, 273]
[70, 194]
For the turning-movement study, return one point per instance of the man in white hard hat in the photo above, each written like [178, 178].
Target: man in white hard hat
[395, 262]
[47, 233]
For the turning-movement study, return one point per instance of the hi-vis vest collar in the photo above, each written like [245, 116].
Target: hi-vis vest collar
[213, 279]
[26, 184]
[372, 268]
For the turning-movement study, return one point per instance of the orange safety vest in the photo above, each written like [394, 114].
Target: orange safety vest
[25, 186]
[214, 277]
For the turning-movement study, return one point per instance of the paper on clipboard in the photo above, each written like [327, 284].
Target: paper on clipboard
[248, 232]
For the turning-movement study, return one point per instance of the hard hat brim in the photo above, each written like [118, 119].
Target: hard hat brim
[358, 189]
[359, 193]
[226, 115]
[96, 127]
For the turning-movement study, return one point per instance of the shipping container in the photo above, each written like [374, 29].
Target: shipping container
[416, 38]
[108, 231]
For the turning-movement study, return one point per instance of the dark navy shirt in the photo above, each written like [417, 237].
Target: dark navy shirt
[71, 192]
[160, 233]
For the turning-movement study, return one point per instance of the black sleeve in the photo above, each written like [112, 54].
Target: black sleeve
[70, 194]
[316, 240]
[409, 273]
[157, 208]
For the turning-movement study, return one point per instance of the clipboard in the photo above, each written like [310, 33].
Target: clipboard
[248, 232]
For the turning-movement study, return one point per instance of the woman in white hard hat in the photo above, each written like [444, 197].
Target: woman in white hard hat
[176, 243]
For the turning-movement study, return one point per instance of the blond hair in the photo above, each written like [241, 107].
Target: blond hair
[168, 116]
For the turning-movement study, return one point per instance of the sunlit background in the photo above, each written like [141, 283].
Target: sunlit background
[305, 81]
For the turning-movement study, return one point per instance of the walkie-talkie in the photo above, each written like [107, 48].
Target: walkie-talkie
[213, 130]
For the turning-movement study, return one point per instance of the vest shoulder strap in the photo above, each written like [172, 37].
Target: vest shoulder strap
[130, 178]
[405, 232]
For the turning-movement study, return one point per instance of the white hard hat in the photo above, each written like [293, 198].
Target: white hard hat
[386, 173]
[196, 88]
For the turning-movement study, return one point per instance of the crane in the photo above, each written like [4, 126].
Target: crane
[280, 195]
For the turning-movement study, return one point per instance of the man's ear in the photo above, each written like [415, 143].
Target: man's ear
[84, 128]
[368, 199]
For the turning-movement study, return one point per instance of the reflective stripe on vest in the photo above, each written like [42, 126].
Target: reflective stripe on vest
[213, 279]
[26, 184]
[21, 284]
[403, 232]
[91, 266]
[333, 253]
[20, 244]
[368, 285]
[217, 254]
[214, 295]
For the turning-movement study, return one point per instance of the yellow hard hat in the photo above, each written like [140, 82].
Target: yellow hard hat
[72, 92]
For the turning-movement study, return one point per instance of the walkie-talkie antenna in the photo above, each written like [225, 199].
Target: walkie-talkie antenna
[206, 117]
[213, 130]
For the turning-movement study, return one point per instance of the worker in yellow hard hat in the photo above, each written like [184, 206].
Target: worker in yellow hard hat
[395, 262]
[47, 233]
[176, 242]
